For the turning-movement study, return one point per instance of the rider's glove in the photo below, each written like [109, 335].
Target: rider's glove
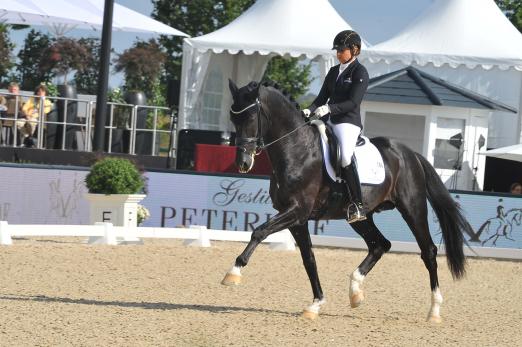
[322, 111]
[306, 113]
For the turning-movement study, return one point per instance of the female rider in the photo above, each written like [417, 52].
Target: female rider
[339, 101]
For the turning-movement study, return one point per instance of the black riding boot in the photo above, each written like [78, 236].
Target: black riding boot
[356, 211]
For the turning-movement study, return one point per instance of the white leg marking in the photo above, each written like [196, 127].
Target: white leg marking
[356, 292]
[436, 301]
[356, 281]
[316, 305]
[236, 270]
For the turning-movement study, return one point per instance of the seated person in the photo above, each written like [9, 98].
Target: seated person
[516, 188]
[13, 109]
[31, 112]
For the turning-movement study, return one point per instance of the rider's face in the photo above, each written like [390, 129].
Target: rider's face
[344, 55]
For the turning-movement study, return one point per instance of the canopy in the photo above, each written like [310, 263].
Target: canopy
[509, 153]
[470, 43]
[284, 27]
[241, 50]
[455, 32]
[62, 15]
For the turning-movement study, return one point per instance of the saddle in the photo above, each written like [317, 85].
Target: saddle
[335, 149]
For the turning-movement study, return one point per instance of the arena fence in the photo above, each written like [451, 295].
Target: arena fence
[106, 233]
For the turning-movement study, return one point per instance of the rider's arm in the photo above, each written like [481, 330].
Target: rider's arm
[324, 93]
[355, 94]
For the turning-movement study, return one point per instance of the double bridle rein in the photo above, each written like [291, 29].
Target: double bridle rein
[258, 139]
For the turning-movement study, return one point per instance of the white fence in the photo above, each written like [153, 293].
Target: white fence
[106, 233]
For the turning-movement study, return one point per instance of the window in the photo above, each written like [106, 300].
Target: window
[449, 144]
[212, 97]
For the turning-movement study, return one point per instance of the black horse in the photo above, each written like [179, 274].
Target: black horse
[300, 190]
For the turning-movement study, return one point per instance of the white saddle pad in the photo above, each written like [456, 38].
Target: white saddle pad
[370, 165]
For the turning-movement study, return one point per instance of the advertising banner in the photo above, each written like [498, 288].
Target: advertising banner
[56, 196]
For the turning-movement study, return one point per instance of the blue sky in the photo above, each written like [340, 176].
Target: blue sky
[377, 20]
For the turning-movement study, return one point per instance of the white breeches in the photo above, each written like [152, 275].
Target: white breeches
[347, 135]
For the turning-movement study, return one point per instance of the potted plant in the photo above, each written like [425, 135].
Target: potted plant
[62, 57]
[141, 65]
[115, 187]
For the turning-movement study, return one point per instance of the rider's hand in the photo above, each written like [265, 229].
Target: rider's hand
[306, 113]
[322, 111]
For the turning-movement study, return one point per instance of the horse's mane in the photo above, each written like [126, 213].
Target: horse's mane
[283, 92]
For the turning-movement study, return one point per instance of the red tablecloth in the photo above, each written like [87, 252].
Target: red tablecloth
[217, 158]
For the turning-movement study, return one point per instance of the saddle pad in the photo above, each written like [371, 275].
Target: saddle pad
[370, 165]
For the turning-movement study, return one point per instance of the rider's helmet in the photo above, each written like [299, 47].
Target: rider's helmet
[346, 39]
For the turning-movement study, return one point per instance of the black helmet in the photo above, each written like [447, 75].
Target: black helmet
[346, 39]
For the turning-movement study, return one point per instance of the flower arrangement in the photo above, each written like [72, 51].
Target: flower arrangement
[143, 214]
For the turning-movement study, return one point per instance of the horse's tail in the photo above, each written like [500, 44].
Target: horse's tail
[451, 220]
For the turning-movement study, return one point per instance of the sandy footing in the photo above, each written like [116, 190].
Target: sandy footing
[62, 292]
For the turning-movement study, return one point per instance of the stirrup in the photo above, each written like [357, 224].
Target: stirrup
[355, 213]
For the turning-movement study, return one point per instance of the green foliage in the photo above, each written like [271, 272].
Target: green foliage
[289, 74]
[116, 95]
[114, 176]
[30, 56]
[6, 50]
[513, 11]
[194, 17]
[142, 65]
[51, 88]
[87, 79]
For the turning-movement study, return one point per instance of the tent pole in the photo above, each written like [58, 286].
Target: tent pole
[103, 77]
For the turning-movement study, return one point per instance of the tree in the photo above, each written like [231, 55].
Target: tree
[198, 17]
[6, 49]
[65, 55]
[87, 79]
[292, 77]
[142, 65]
[513, 11]
[30, 57]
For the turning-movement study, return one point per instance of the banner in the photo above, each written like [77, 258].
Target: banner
[56, 196]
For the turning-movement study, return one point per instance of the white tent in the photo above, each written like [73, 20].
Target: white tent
[61, 16]
[242, 49]
[467, 42]
[509, 153]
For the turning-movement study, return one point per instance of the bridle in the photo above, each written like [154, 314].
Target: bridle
[258, 139]
[241, 142]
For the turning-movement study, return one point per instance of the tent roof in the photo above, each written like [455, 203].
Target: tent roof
[62, 15]
[412, 86]
[509, 152]
[469, 32]
[293, 27]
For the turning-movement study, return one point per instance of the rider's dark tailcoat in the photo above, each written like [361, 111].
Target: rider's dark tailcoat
[344, 94]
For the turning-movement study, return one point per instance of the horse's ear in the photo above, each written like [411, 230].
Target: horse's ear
[253, 87]
[233, 88]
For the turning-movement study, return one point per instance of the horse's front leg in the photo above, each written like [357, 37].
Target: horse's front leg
[277, 223]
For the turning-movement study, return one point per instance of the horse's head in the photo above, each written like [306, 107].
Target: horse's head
[245, 115]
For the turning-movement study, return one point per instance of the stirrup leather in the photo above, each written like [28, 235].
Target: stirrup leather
[355, 213]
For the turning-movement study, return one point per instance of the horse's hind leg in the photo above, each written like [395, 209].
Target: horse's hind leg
[415, 213]
[377, 246]
[302, 237]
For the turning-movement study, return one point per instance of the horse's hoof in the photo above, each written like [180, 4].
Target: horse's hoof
[310, 314]
[356, 299]
[434, 319]
[231, 280]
